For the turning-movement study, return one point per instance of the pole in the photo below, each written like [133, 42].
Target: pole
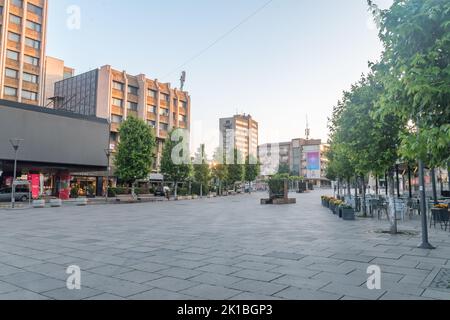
[433, 179]
[425, 244]
[107, 181]
[386, 183]
[448, 175]
[13, 187]
[409, 181]
[376, 185]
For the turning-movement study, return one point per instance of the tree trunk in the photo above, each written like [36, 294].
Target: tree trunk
[201, 190]
[433, 181]
[363, 201]
[356, 193]
[386, 182]
[376, 185]
[133, 193]
[392, 213]
[175, 194]
[349, 191]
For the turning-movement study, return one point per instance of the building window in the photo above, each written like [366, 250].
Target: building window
[182, 118]
[30, 77]
[31, 60]
[164, 126]
[34, 26]
[12, 92]
[152, 109]
[183, 104]
[17, 3]
[118, 85]
[33, 43]
[29, 95]
[133, 90]
[165, 97]
[152, 123]
[132, 106]
[1, 9]
[34, 9]
[152, 93]
[117, 102]
[15, 19]
[116, 119]
[13, 55]
[113, 136]
[164, 112]
[13, 37]
[10, 73]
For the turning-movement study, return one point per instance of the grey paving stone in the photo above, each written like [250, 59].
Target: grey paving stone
[171, 284]
[209, 292]
[215, 279]
[110, 270]
[257, 275]
[251, 296]
[138, 276]
[66, 294]
[400, 297]
[19, 261]
[105, 297]
[305, 294]
[295, 271]
[150, 267]
[302, 283]
[7, 287]
[259, 287]
[435, 294]
[43, 285]
[22, 277]
[254, 265]
[180, 273]
[23, 295]
[220, 269]
[353, 291]
[285, 255]
[160, 294]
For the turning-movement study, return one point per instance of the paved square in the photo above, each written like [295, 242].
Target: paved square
[221, 248]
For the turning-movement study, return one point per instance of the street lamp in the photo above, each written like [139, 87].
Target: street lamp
[425, 243]
[108, 153]
[15, 143]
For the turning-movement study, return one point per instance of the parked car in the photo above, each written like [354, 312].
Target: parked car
[21, 194]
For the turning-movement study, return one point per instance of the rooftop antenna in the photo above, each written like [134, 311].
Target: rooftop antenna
[307, 131]
[182, 80]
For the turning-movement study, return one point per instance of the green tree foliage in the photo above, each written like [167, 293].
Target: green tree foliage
[135, 151]
[416, 69]
[236, 170]
[202, 172]
[283, 169]
[219, 169]
[175, 164]
[252, 168]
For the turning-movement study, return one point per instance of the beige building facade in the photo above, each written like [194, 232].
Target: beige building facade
[239, 132]
[55, 70]
[116, 95]
[22, 50]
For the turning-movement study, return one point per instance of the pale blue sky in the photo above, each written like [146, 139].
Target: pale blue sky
[293, 58]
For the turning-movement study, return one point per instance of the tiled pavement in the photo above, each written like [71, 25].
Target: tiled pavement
[229, 248]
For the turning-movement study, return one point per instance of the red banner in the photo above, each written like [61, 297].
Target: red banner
[35, 181]
[64, 190]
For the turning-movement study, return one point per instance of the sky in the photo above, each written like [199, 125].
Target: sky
[289, 61]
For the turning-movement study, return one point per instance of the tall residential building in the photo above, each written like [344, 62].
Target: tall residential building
[115, 95]
[23, 25]
[239, 132]
[55, 71]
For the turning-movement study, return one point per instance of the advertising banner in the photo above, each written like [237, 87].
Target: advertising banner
[35, 183]
[64, 187]
[313, 165]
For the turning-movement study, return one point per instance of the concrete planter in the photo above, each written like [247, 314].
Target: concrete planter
[55, 203]
[195, 197]
[348, 214]
[189, 197]
[38, 204]
[81, 202]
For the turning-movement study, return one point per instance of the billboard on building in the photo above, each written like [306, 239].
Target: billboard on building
[313, 165]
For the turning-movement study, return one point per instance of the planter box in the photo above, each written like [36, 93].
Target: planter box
[55, 203]
[348, 214]
[195, 197]
[81, 202]
[340, 212]
[38, 204]
[438, 215]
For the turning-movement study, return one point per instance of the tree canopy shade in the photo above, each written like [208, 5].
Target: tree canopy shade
[172, 169]
[416, 74]
[283, 169]
[135, 151]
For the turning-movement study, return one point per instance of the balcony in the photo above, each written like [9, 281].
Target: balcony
[117, 110]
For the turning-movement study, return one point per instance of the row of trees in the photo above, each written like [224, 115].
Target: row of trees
[136, 154]
[400, 110]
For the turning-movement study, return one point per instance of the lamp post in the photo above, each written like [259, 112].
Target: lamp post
[15, 143]
[108, 153]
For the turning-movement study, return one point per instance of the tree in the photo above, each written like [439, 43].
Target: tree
[416, 65]
[219, 169]
[135, 150]
[252, 169]
[284, 168]
[175, 162]
[236, 169]
[202, 172]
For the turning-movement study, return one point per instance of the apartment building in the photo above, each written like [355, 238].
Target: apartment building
[55, 70]
[23, 25]
[115, 95]
[239, 132]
